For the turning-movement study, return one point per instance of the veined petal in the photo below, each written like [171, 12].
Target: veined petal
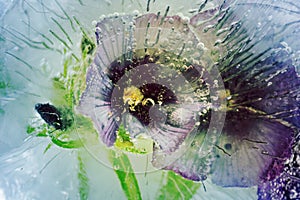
[193, 163]
[271, 86]
[251, 149]
[114, 37]
[170, 34]
[170, 127]
[95, 103]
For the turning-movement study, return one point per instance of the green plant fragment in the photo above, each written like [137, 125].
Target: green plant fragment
[176, 187]
[47, 148]
[30, 129]
[83, 180]
[124, 171]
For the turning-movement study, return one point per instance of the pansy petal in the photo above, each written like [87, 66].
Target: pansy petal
[95, 104]
[192, 163]
[114, 38]
[272, 86]
[112, 35]
[170, 34]
[170, 128]
[251, 149]
[194, 157]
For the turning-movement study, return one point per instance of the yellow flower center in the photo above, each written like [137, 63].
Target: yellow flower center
[133, 96]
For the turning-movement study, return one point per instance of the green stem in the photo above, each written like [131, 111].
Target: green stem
[124, 171]
[83, 180]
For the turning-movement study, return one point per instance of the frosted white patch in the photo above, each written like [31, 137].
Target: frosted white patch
[2, 195]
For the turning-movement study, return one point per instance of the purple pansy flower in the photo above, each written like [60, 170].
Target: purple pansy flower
[156, 74]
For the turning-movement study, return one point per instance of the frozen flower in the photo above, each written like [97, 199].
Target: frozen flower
[150, 73]
[156, 72]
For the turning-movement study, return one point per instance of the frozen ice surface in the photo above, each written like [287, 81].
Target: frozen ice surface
[26, 69]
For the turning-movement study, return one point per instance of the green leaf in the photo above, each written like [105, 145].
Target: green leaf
[67, 117]
[124, 171]
[123, 135]
[47, 148]
[87, 45]
[176, 187]
[83, 180]
[43, 133]
[67, 144]
[30, 129]
[3, 85]
[58, 84]
[140, 145]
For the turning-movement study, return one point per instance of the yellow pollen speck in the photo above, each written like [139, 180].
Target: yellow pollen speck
[145, 101]
[133, 96]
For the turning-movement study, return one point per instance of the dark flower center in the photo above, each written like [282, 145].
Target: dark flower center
[150, 79]
[142, 99]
